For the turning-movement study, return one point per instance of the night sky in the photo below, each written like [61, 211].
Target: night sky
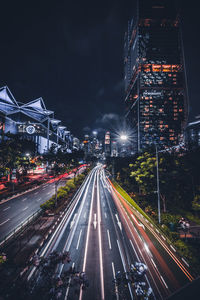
[70, 53]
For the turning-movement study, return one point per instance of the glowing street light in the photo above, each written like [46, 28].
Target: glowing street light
[123, 137]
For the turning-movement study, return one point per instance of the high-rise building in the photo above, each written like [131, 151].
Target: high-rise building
[155, 82]
[107, 144]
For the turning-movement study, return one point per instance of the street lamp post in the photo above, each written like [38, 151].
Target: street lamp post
[158, 185]
[48, 125]
[56, 189]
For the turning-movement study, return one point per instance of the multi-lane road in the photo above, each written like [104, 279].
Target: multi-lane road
[104, 235]
[17, 209]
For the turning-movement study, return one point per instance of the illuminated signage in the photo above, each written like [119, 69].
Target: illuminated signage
[30, 129]
[152, 94]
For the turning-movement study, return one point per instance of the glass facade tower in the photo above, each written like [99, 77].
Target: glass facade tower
[155, 82]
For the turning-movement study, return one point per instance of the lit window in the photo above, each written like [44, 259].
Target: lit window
[156, 68]
[166, 68]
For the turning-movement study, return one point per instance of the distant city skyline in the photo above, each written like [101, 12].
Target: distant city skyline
[71, 55]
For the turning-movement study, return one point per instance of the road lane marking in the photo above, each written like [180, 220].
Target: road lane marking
[5, 222]
[106, 215]
[185, 261]
[100, 240]
[88, 233]
[109, 242]
[24, 199]
[163, 238]
[64, 223]
[38, 199]
[95, 221]
[72, 222]
[24, 208]
[6, 208]
[136, 221]
[123, 263]
[178, 262]
[84, 215]
[118, 222]
[164, 281]
[79, 239]
[173, 248]
[154, 263]
[35, 193]
[67, 291]
[116, 288]
[145, 262]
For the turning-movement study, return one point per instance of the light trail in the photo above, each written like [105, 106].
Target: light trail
[100, 241]
[172, 255]
[88, 234]
[64, 222]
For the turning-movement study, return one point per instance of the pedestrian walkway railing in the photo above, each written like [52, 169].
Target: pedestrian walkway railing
[20, 228]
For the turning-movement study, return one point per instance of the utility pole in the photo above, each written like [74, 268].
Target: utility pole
[158, 185]
[48, 135]
[56, 189]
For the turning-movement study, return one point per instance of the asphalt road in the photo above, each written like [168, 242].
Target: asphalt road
[105, 235]
[14, 211]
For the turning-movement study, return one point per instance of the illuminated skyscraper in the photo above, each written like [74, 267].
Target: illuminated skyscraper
[107, 144]
[155, 82]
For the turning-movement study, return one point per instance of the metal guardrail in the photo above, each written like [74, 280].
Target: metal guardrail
[19, 229]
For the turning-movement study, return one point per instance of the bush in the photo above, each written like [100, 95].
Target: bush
[79, 178]
[49, 204]
[70, 184]
[62, 192]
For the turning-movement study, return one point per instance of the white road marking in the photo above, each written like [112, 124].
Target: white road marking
[24, 208]
[95, 221]
[67, 291]
[106, 215]
[84, 215]
[72, 222]
[35, 193]
[24, 199]
[164, 281]
[109, 242]
[116, 288]
[4, 222]
[87, 235]
[79, 239]
[123, 263]
[153, 263]
[118, 222]
[100, 241]
[173, 248]
[65, 221]
[139, 224]
[38, 199]
[6, 208]
[185, 262]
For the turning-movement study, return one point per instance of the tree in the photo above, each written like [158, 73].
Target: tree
[196, 203]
